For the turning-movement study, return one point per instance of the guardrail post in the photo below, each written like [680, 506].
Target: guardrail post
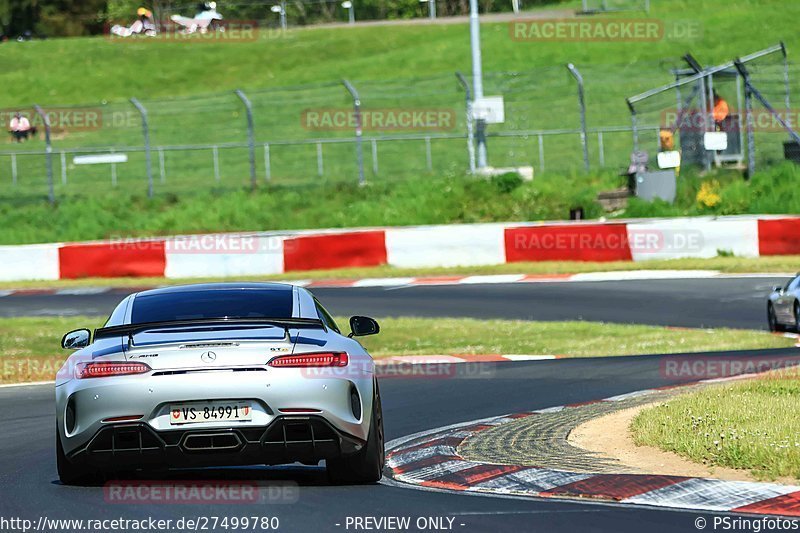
[147, 155]
[359, 133]
[251, 135]
[51, 195]
[582, 107]
[470, 134]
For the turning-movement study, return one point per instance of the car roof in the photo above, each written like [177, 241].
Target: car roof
[230, 286]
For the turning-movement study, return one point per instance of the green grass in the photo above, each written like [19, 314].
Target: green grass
[404, 66]
[730, 265]
[751, 426]
[419, 200]
[29, 347]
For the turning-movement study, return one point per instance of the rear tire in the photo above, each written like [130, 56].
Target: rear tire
[772, 320]
[365, 466]
[797, 317]
[71, 474]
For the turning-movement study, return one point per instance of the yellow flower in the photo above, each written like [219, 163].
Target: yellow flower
[708, 194]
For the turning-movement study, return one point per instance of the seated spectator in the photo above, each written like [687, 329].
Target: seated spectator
[20, 128]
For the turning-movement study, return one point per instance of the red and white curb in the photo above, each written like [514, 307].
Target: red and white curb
[398, 282]
[430, 460]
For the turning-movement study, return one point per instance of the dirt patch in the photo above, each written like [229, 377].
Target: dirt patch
[610, 436]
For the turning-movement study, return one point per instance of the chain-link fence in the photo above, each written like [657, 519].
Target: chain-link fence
[311, 134]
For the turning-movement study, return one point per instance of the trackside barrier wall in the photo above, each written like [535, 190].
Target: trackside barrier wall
[264, 253]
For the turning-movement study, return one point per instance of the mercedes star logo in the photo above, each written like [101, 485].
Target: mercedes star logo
[208, 357]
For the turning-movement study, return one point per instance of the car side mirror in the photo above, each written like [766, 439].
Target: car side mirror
[75, 340]
[777, 288]
[363, 325]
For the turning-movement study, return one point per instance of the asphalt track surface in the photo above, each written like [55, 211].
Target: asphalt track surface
[27, 464]
[714, 302]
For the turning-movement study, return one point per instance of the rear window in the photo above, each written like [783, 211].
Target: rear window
[223, 303]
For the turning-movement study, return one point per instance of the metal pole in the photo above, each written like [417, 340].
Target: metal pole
[541, 153]
[470, 134]
[148, 157]
[477, 75]
[432, 9]
[283, 15]
[359, 133]
[13, 169]
[634, 128]
[582, 109]
[374, 157]
[601, 149]
[320, 168]
[63, 168]
[51, 195]
[113, 172]
[267, 165]
[751, 141]
[215, 154]
[428, 156]
[786, 84]
[162, 166]
[352, 13]
[251, 135]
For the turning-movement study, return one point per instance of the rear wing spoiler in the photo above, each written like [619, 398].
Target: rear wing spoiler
[210, 324]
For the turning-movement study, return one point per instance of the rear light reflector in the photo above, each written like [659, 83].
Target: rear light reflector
[298, 410]
[109, 369]
[123, 418]
[307, 360]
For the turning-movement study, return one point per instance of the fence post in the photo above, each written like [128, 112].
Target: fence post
[320, 167]
[162, 167]
[582, 107]
[251, 135]
[147, 155]
[51, 195]
[470, 134]
[13, 169]
[428, 155]
[374, 157]
[215, 157]
[359, 133]
[541, 153]
[601, 149]
[267, 163]
[63, 168]
[634, 126]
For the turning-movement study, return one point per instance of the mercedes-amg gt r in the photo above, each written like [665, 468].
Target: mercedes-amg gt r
[215, 375]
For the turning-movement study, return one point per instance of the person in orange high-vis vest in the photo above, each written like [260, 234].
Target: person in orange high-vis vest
[720, 111]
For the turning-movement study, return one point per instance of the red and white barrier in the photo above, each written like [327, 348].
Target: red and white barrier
[263, 253]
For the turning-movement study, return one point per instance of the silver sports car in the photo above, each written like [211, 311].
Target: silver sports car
[219, 374]
[783, 306]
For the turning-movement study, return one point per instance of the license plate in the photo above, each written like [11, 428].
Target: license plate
[197, 413]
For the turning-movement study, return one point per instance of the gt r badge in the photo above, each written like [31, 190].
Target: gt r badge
[208, 357]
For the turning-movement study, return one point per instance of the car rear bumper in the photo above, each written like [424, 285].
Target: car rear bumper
[286, 439]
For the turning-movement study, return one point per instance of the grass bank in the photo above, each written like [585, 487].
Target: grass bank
[29, 347]
[419, 200]
[751, 426]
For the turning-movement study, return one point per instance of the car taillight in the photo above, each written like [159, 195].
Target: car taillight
[310, 360]
[109, 369]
